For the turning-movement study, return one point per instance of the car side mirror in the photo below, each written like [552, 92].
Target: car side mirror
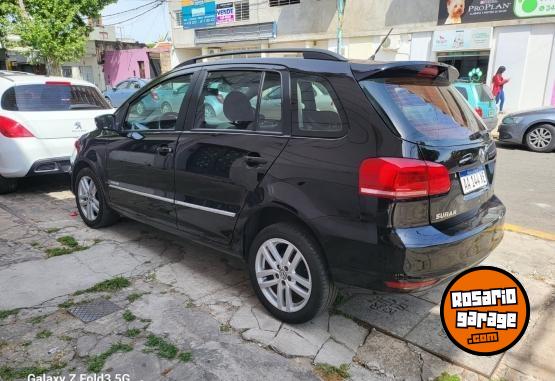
[106, 122]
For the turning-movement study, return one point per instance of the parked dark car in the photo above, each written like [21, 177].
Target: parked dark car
[390, 186]
[534, 129]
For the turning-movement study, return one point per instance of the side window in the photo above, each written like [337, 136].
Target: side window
[316, 108]
[122, 85]
[231, 100]
[158, 107]
[463, 92]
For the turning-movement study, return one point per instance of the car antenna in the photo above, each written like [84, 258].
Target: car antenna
[373, 56]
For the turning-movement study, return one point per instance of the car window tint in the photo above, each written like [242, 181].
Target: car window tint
[158, 107]
[229, 100]
[315, 107]
[52, 97]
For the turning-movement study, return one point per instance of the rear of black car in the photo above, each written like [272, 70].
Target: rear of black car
[438, 197]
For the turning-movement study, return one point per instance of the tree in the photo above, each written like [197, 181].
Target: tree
[56, 30]
[9, 12]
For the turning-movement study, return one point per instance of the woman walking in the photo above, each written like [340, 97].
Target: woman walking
[497, 87]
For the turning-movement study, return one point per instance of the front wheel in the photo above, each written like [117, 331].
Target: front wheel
[91, 201]
[541, 138]
[7, 185]
[289, 274]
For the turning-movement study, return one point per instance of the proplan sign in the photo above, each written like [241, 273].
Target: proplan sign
[463, 39]
[469, 11]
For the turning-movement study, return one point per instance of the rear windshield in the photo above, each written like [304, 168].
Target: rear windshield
[52, 97]
[425, 112]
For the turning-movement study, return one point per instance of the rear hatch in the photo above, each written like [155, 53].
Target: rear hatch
[422, 106]
[55, 109]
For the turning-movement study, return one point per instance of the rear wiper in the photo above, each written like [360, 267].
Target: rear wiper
[83, 106]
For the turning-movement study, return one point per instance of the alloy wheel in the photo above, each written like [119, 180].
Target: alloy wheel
[166, 108]
[540, 137]
[283, 275]
[88, 198]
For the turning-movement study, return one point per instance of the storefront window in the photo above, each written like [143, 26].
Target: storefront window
[466, 61]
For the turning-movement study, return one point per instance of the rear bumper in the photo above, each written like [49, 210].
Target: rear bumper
[19, 157]
[50, 166]
[423, 255]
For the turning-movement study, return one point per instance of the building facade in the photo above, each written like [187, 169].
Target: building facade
[489, 34]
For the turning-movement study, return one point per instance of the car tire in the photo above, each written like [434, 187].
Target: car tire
[541, 138]
[88, 197]
[7, 185]
[140, 108]
[307, 273]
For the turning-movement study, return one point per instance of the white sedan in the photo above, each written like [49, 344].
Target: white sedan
[40, 119]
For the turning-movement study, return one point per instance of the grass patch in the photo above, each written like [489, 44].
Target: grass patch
[67, 304]
[110, 285]
[145, 320]
[447, 377]
[225, 328]
[35, 244]
[134, 296]
[96, 363]
[70, 245]
[185, 356]
[339, 299]
[44, 334]
[37, 319]
[68, 241]
[162, 347]
[332, 373]
[133, 332]
[5, 313]
[52, 230]
[189, 304]
[128, 316]
[66, 338]
[7, 373]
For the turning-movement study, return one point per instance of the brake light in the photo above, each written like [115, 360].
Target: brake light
[479, 111]
[399, 178]
[154, 95]
[12, 129]
[58, 83]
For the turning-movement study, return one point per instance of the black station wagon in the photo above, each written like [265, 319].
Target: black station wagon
[312, 168]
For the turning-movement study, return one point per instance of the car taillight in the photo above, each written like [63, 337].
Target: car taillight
[12, 129]
[77, 145]
[154, 95]
[479, 111]
[399, 178]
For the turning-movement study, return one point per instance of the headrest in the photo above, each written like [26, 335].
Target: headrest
[237, 108]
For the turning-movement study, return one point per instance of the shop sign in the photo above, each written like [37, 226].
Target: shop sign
[469, 11]
[463, 39]
[198, 13]
[225, 13]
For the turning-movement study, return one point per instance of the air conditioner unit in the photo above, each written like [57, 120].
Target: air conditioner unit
[392, 43]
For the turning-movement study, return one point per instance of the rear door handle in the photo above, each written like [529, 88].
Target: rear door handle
[164, 150]
[254, 160]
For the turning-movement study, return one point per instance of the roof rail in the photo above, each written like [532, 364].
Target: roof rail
[314, 54]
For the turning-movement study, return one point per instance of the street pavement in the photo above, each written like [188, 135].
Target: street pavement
[188, 313]
[525, 182]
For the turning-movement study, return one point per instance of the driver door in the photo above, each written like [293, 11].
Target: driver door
[140, 164]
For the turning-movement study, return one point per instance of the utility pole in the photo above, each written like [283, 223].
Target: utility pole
[340, 13]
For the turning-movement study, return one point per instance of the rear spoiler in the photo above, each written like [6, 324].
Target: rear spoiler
[434, 71]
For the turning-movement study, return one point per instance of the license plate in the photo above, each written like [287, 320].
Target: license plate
[473, 179]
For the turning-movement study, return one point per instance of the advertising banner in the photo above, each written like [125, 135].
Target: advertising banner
[464, 39]
[469, 11]
[199, 14]
[225, 13]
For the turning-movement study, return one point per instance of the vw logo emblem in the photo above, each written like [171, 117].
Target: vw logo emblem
[482, 155]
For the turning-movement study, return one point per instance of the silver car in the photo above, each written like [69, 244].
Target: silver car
[534, 129]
